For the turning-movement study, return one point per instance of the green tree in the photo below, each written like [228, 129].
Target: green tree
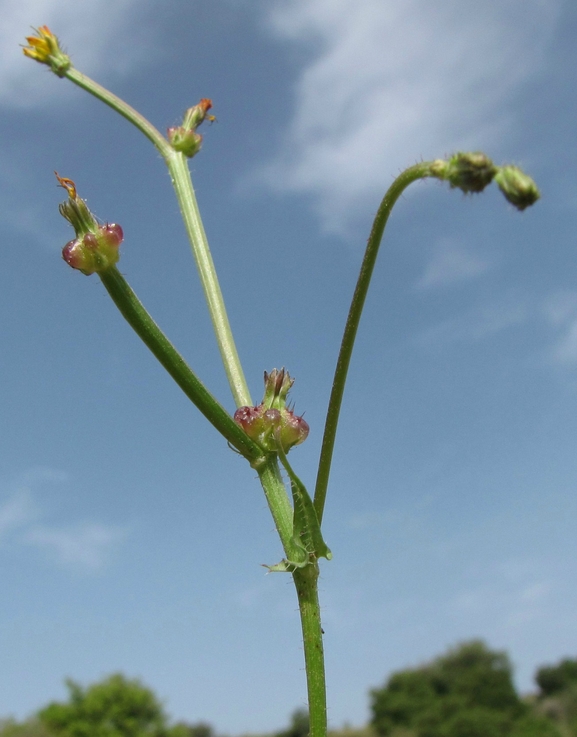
[115, 707]
[299, 725]
[468, 692]
[28, 728]
[552, 679]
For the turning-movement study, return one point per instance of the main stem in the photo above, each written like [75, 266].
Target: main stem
[306, 583]
[419, 171]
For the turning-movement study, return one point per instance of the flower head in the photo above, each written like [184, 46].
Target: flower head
[470, 172]
[45, 48]
[271, 423]
[95, 247]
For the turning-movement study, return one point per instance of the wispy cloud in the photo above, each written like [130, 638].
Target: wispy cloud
[15, 511]
[509, 605]
[451, 263]
[83, 546]
[385, 83]
[560, 309]
[479, 322]
[96, 31]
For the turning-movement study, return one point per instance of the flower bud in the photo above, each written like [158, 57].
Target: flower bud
[95, 247]
[470, 172]
[45, 48]
[272, 423]
[519, 189]
[195, 115]
[184, 138]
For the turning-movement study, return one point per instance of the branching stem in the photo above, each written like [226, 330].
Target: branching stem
[180, 176]
[143, 324]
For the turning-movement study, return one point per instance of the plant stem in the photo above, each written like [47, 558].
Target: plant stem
[123, 109]
[419, 171]
[143, 324]
[306, 583]
[180, 175]
[277, 498]
[182, 182]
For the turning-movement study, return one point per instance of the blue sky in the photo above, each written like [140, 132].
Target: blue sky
[131, 538]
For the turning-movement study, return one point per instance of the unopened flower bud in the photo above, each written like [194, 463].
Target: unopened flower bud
[272, 423]
[519, 189]
[184, 138]
[95, 247]
[195, 115]
[45, 48]
[470, 172]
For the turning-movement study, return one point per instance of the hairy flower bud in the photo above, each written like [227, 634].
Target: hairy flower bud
[45, 48]
[184, 138]
[272, 423]
[470, 172]
[519, 189]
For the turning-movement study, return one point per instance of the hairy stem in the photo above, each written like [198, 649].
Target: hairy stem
[181, 180]
[277, 498]
[419, 171]
[306, 583]
[143, 324]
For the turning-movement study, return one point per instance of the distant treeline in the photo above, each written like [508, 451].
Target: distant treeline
[468, 692]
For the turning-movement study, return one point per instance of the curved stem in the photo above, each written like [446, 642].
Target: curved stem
[128, 112]
[181, 180]
[419, 171]
[143, 324]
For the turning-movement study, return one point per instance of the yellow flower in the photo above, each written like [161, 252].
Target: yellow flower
[45, 48]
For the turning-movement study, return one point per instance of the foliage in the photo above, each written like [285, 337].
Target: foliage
[115, 707]
[299, 725]
[199, 729]
[557, 698]
[468, 692]
[553, 679]
[29, 728]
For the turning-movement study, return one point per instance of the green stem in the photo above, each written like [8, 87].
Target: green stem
[306, 583]
[143, 324]
[180, 176]
[181, 180]
[277, 499]
[419, 171]
[123, 109]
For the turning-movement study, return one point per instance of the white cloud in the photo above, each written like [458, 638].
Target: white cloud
[84, 546]
[384, 83]
[479, 323]
[451, 263]
[95, 32]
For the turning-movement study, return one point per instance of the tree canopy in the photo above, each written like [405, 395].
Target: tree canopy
[468, 692]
